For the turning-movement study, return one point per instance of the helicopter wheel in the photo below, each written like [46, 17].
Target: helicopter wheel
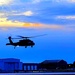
[25, 46]
[14, 47]
[31, 45]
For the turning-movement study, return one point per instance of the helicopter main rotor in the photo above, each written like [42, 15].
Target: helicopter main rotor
[31, 36]
[23, 37]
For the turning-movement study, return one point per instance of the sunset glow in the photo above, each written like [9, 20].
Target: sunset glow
[4, 22]
[29, 18]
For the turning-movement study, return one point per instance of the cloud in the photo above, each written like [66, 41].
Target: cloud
[40, 1]
[2, 14]
[36, 1]
[47, 13]
[66, 17]
[71, 1]
[39, 25]
[28, 13]
[49, 26]
[63, 1]
[4, 22]
[5, 2]
[16, 13]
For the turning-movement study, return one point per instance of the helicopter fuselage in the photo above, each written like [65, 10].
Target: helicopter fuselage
[24, 42]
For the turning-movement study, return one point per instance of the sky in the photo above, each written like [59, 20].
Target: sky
[56, 18]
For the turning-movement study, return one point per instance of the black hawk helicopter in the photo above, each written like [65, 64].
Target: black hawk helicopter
[24, 42]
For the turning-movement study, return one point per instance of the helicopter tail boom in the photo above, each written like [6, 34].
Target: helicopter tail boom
[8, 44]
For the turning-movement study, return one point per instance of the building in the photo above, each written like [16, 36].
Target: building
[74, 65]
[14, 65]
[30, 66]
[53, 64]
[10, 65]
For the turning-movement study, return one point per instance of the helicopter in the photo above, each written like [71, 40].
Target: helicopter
[25, 41]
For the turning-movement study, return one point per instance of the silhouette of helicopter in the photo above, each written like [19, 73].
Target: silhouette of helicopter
[24, 42]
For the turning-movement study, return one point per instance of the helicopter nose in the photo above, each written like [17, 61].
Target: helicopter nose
[33, 43]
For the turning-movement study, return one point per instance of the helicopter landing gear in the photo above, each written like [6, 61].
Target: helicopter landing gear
[31, 45]
[25, 46]
[14, 47]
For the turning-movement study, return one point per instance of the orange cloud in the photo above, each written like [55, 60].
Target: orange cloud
[49, 26]
[32, 25]
[8, 23]
[38, 25]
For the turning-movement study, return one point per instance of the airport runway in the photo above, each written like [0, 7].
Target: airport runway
[61, 73]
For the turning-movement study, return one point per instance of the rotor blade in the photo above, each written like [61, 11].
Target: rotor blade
[38, 35]
[23, 37]
[32, 36]
[20, 36]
